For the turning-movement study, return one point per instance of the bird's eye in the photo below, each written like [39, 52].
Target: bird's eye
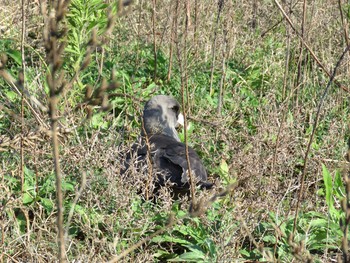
[175, 109]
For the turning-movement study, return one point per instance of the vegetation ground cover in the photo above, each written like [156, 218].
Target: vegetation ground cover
[264, 87]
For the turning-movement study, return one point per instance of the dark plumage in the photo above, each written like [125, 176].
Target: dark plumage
[168, 154]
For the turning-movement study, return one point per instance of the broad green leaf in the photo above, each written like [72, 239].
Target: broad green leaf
[162, 253]
[327, 178]
[15, 55]
[320, 222]
[47, 204]
[67, 187]
[244, 252]
[194, 255]
[11, 95]
[224, 167]
[269, 239]
[181, 241]
[211, 246]
[28, 172]
[339, 188]
[27, 198]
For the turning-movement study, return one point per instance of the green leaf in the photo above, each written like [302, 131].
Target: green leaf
[210, 100]
[244, 252]
[195, 255]
[269, 239]
[12, 181]
[327, 178]
[67, 187]
[224, 173]
[320, 222]
[159, 239]
[224, 168]
[11, 95]
[79, 209]
[211, 246]
[27, 198]
[163, 253]
[15, 55]
[47, 204]
[339, 189]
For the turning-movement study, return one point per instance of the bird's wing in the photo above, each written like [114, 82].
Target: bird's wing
[175, 153]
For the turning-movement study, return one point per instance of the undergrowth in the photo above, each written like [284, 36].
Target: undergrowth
[251, 101]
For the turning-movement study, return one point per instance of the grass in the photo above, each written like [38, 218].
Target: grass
[251, 128]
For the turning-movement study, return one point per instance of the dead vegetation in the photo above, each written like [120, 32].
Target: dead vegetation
[252, 80]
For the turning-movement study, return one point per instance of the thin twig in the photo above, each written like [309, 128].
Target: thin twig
[213, 52]
[172, 37]
[171, 222]
[344, 24]
[314, 127]
[301, 56]
[284, 109]
[183, 84]
[55, 50]
[154, 39]
[223, 73]
[18, 87]
[76, 198]
[148, 160]
[22, 80]
[309, 48]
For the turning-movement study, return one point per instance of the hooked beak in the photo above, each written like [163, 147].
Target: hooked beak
[180, 121]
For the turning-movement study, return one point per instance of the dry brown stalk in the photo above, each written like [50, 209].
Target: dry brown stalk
[285, 109]
[213, 54]
[344, 24]
[174, 26]
[183, 71]
[345, 204]
[22, 81]
[314, 127]
[54, 49]
[300, 57]
[171, 222]
[154, 39]
[149, 162]
[309, 48]
[195, 210]
[223, 72]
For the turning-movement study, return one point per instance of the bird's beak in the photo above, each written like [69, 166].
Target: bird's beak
[180, 121]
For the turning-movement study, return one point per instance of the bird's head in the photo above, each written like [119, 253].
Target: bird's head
[161, 115]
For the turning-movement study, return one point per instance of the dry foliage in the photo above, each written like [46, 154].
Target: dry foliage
[243, 48]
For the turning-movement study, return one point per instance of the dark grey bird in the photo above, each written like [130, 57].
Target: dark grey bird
[167, 154]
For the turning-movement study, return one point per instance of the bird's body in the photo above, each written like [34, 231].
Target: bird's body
[167, 154]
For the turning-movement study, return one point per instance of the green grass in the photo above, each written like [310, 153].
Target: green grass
[255, 220]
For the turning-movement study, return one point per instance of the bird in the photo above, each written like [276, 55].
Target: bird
[160, 143]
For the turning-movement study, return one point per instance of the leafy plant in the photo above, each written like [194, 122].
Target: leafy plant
[35, 192]
[316, 231]
[334, 192]
[191, 239]
[314, 234]
[83, 17]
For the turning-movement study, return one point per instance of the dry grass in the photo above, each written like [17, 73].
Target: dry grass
[109, 216]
